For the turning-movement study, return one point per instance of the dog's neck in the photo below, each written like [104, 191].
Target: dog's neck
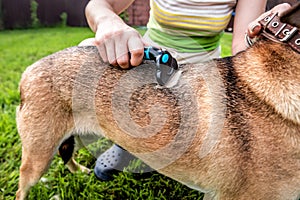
[272, 72]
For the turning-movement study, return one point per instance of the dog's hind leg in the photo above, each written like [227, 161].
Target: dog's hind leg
[32, 168]
[41, 128]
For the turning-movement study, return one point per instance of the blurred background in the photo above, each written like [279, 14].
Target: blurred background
[36, 13]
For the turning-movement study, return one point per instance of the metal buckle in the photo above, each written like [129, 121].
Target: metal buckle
[281, 28]
[248, 41]
[297, 42]
[288, 34]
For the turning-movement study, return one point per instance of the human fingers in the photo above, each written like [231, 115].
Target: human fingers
[106, 46]
[254, 27]
[281, 8]
[122, 56]
[99, 42]
[136, 49]
[110, 49]
[115, 46]
[102, 52]
[129, 49]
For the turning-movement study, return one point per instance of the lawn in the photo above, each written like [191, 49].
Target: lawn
[20, 48]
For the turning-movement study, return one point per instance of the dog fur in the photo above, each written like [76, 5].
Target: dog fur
[254, 97]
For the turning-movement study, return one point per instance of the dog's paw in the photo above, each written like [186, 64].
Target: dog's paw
[85, 169]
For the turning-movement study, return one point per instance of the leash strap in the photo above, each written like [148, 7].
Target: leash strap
[283, 32]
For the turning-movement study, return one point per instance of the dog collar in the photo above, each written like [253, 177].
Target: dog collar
[277, 31]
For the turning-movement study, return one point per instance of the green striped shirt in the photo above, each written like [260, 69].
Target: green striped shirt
[189, 25]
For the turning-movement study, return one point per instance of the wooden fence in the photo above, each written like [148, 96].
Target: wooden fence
[18, 13]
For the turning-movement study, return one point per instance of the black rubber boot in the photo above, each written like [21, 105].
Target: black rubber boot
[111, 162]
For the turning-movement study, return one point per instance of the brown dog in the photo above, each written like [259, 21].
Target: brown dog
[229, 128]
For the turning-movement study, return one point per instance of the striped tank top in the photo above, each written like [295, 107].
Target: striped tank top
[189, 25]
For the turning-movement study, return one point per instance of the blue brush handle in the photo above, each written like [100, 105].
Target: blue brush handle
[161, 56]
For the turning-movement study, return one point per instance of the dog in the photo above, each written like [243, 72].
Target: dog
[229, 127]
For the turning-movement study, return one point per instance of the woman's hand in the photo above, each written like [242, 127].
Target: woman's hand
[114, 40]
[254, 27]
[118, 43]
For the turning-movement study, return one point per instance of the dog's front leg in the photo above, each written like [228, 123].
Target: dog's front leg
[73, 166]
[66, 151]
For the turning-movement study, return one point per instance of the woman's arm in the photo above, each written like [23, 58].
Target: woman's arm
[246, 12]
[98, 11]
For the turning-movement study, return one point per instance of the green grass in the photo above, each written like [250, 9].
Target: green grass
[20, 48]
